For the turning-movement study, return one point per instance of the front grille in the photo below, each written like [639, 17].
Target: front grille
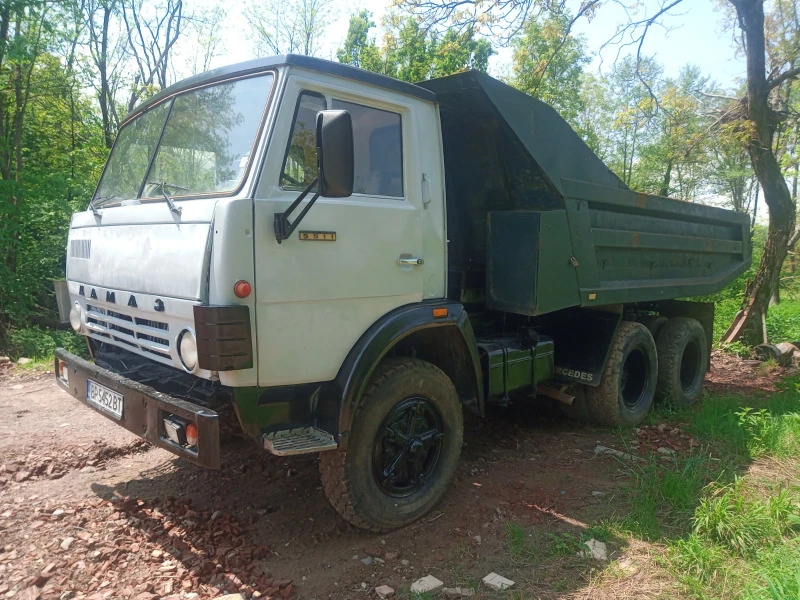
[168, 380]
[133, 332]
[80, 248]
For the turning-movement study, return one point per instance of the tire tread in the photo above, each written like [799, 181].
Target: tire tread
[669, 345]
[333, 463]
[603, 400]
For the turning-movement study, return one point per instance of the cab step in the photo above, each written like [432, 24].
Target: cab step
[302, 440]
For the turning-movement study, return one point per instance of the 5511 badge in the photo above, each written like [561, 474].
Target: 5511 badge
[318, 236]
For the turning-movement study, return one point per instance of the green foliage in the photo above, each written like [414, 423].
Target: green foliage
[783, 321]
[411, 53]
[34, 342]
[548, 64]
[564, 544]
[765, 431]
[666, 494]
[62, 154]
[728, 518]
[358, 49]
[518, 543]
[728, 534]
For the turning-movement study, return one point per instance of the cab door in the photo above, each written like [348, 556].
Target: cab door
[351, 260]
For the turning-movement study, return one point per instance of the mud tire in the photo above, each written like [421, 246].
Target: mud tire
[682, 361]
[347, 475]
[628, 383]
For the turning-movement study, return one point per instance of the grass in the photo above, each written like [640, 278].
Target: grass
[783, 322]
[728, 514]
[518, 542]
[38, 364]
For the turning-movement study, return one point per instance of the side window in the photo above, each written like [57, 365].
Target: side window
[378, 149]
[300, 163]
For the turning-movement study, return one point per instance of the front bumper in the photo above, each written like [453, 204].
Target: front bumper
[144, 409]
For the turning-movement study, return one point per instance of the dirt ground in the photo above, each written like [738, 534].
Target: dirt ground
[87, 510]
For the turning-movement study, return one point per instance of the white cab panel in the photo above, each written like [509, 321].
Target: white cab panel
[316, 298]
[232, 260]
[163, 259]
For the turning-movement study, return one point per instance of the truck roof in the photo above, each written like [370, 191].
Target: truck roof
[306, 62]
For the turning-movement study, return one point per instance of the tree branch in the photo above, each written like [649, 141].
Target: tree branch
[774, 82]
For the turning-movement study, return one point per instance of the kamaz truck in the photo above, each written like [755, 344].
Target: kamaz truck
[332, 261]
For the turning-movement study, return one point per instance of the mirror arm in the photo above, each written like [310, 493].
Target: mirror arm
[284, 228]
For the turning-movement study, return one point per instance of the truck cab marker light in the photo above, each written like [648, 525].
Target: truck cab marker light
[439, 313]
[242, 288]
[62, 371]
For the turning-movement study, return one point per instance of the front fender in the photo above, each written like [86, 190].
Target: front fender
[391, 329]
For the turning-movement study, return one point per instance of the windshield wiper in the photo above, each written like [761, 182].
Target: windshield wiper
[93, 207]
[164, 185]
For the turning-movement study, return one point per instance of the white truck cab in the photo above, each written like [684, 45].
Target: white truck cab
[273, 247]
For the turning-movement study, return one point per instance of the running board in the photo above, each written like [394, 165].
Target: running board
[302, 440]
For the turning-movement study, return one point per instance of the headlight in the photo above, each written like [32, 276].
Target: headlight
[187, 350]
[75, 317]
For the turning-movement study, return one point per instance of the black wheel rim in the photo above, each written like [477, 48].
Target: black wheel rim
[634, 377]
[407, 447]
[690, 366]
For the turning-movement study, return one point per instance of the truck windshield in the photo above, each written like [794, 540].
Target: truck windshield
[198, 142]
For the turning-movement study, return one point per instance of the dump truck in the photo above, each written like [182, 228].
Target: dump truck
[331, 261]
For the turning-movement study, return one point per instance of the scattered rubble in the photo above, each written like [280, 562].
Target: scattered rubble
[429, 583]
[458, 592]
[596, 550]
[384, 591]
[132, 548]
[497, 582]
[663, 439]
[43, 463]
[619, 454]
[731, 373]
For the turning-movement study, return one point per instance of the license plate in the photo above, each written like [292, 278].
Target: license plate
[105, 399]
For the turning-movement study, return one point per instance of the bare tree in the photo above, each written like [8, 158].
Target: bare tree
[153, 31]
[292, 26]
[209, 41]
[107, 51]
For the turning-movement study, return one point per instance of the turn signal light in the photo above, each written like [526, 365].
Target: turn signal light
[439, 313]
[242, 288]
[191, 434]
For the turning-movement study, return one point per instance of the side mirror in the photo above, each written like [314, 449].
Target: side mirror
[335, 153]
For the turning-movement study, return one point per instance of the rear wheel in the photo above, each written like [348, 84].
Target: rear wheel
[654, 323]
[403, 449]
[682, 360]
[628, 383]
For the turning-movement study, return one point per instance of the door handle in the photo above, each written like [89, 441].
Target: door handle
[406, 259]
[426, 191]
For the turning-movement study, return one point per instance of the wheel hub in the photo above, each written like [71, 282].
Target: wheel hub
[407, 447]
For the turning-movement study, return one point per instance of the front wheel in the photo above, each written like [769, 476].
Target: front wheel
[403, 447]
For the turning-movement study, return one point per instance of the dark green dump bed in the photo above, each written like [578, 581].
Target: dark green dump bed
[537, 222]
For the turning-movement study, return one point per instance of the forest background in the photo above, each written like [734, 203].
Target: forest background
[70, 70]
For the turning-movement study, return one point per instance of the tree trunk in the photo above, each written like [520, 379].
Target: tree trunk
[768, 172]
[666, 181]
